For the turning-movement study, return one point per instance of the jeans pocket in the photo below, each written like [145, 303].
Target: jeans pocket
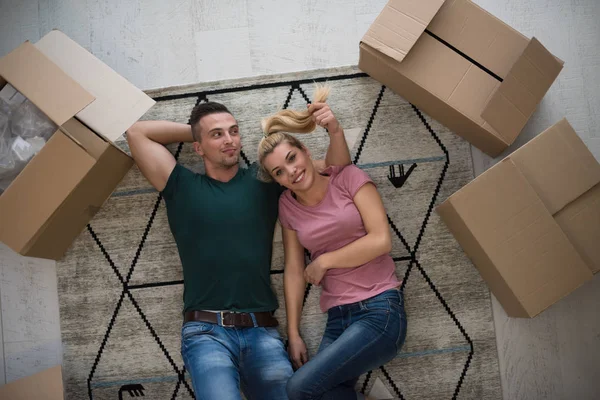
[400, 316]
[192, 329]
[377, 304]
[397, 303]
[401, 334]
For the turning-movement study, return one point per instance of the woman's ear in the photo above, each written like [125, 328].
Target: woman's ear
[306, 150]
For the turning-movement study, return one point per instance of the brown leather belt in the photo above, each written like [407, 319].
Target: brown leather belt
[232, 319]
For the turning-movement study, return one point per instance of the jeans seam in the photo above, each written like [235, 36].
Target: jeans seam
[400, 330]
[387, 323]
[379, 336]
[184, 339]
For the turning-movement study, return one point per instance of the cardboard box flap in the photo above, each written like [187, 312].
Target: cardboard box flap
[46, 385]
[399, 25]
[517, 97]
[118, 103]
[580, 221]
[80, 206]
[558, 165]
[49, 176]
[521, 239]
[93, 144]
[44, 83]
[479, 35]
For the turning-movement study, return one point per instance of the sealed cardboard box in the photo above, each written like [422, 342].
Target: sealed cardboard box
[531, 223]
[461, 65]
[45, 385]
[62, 187]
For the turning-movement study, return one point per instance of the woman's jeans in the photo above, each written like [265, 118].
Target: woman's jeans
[359, 337]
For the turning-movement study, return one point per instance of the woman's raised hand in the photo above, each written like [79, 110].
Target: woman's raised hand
[323, 116]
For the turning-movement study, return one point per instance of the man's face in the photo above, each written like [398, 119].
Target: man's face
[220, 144]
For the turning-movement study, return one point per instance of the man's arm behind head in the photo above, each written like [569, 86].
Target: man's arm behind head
[147, 140]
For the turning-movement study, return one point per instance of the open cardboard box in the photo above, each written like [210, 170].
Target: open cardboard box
[531, 223]
[461, 65]
[45, 385]
[67, 182]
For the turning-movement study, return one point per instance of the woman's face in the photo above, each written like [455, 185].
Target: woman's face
[290, 167]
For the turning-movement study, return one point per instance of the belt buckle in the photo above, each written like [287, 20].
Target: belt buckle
[223, 324]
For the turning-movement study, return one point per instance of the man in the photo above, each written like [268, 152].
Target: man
[223, 223]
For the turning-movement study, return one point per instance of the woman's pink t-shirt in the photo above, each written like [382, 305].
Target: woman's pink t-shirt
[332, 224]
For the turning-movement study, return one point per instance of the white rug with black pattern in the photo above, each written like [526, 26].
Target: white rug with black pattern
[120, 287]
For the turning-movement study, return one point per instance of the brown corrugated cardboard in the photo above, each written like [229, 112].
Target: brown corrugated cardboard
[118, 103]
[43, 83]
[531, 223]
[523, 88]
[45, 385]
[481, 36]
[461, 65]
[49, 203]
[580, 221]
[398, 27]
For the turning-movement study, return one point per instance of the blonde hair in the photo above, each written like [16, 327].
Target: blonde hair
[275, 128]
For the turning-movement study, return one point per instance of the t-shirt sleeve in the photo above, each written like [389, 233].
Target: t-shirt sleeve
[283, 212]
[353, 178]
[178, 174]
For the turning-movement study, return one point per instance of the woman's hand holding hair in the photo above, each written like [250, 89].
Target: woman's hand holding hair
[324, 117]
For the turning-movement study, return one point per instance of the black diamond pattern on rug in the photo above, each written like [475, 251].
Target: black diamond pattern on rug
[399, 174]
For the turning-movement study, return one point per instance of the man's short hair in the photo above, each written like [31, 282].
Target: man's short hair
[202, 110]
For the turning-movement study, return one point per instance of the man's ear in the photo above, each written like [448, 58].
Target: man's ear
[198, 149]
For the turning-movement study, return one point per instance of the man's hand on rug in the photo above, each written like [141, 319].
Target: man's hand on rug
[297, 351]
[315, 271]
[323, 116]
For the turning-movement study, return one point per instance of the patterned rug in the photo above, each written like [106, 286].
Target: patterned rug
[120, 285]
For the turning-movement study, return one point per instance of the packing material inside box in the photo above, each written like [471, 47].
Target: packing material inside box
[531, 223]
[70, 177]
[24, 130]
[460, 65]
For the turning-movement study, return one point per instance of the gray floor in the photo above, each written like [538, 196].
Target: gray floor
[156, 43]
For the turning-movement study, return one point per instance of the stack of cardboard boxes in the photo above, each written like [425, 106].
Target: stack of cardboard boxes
[531, 223]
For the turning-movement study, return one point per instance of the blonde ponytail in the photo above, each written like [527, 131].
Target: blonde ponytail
[295, 121]
[276, 126]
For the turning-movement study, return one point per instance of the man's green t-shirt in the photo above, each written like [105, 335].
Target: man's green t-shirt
[224, 234]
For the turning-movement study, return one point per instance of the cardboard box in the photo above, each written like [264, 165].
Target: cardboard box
[65, 184]
[461, 65]
[45, 385]
[531, 223]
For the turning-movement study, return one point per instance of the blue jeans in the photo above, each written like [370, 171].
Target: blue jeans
[219, 359]
[358, 337]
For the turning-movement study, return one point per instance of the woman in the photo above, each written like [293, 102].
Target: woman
[338, 216]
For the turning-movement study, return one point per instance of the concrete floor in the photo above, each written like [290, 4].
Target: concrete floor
[156, 43]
